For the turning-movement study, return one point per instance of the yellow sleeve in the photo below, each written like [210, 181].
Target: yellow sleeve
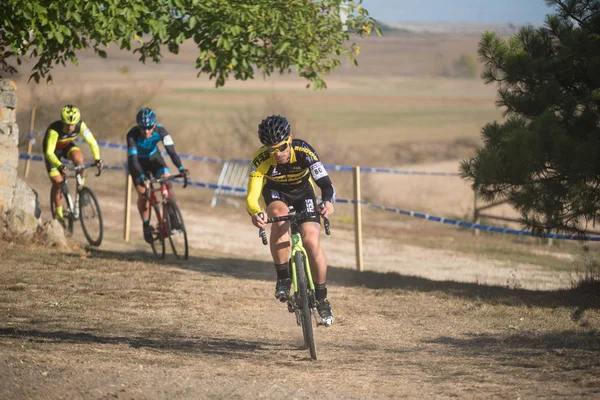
[52, 139]
[91, 140]
[255, 184]
[258, 167]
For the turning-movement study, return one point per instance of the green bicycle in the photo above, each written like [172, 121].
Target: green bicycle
[302, 302]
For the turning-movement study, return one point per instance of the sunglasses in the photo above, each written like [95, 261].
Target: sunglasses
[279, 148]
[146, 128]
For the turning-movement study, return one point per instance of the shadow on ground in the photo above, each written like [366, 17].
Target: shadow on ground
[587, 297]
[219, 346]
[514, 345]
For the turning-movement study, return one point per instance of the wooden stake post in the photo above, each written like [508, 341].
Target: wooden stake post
[358, 219]
[30, 144]
[128, 190]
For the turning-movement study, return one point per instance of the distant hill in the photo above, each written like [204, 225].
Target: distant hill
[449, 27]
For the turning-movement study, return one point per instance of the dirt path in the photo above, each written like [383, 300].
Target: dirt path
[108, 324]
[227, 230]
[111, 323]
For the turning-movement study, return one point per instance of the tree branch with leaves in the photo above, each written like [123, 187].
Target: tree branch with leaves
[234, 38]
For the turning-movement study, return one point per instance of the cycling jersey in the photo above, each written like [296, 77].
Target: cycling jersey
[56, 140]
[142, 148]
[304, 164]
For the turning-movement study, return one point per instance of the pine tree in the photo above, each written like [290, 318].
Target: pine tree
[544, 159]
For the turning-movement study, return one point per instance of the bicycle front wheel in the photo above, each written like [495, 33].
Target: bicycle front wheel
[158, 233]
[303, 294]
[90, 216]
[176, 230]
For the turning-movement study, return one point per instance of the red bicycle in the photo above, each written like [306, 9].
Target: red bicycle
[166, 221]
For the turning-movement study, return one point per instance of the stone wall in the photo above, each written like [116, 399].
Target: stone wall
[9, 140]
[20, 214]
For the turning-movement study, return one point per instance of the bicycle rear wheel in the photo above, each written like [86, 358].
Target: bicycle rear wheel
[176, 230]
[90, 216]
[158, 238]
[307, 328]
[67, 204]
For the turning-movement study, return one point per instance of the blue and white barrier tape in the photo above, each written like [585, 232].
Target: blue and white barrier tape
[471, 225]
[33, 157]
[389, 171]
[36, 157]
[341, 168]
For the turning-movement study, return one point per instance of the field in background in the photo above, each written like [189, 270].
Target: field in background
[394, 97]
[392, 111]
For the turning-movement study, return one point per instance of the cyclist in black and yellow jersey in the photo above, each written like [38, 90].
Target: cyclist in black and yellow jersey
[59, 142]
[283, 172]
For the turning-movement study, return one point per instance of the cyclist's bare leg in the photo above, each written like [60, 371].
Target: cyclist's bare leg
[316, 255]
[169, 186]
[280, 238]
[57, 181]
[143, 204]
[76, 156]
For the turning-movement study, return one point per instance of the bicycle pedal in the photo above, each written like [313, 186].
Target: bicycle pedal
[290, 307]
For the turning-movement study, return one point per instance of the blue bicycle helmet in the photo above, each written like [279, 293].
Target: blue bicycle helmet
[146, 118]
[273, 129]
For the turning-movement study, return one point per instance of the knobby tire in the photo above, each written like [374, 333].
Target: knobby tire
[179, 241]
[90, 216]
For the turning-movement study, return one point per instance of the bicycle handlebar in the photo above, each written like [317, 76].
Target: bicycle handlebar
[171, 177]
[262, 233]
[78, 169]
[293, 215]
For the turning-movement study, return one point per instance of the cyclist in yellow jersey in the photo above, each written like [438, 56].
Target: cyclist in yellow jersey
[59, 142]
[283, 172]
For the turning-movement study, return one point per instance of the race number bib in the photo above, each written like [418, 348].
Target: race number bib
[168, 140]
[317, 170]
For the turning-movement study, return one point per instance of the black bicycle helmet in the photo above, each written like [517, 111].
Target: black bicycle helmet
[273, 129]
[146, 118]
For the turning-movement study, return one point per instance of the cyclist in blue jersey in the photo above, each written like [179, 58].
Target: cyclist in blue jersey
[145, 159]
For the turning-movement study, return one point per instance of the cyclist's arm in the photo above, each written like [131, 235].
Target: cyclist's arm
[323, 181]
[170, 147]
[91, 140]
[255, 183]
[174, 156]
[132, 156]
[258, 168]
[51, 140]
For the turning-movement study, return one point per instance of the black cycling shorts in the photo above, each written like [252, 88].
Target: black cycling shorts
[302, 197]
[60, 154]
[154, 165]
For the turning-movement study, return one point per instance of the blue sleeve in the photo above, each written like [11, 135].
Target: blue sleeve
[132, 155]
